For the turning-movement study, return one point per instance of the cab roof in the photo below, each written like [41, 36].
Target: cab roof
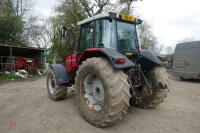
[98, 16]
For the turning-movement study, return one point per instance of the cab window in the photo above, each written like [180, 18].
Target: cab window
[106, 34]
[86, 40]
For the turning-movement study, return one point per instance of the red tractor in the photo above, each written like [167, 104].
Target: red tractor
[109, 71]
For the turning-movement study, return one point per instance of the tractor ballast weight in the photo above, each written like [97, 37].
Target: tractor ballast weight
[109, 71]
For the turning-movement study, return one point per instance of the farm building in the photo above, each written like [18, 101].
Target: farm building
[13, 58]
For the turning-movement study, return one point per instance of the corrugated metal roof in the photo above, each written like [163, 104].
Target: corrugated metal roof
[5, 50]
[3, 45]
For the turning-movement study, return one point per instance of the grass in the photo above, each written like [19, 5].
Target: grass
[5, 76]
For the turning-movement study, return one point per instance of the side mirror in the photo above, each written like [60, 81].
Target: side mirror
[63, 31]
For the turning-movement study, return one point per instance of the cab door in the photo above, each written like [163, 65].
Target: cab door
[86, 37]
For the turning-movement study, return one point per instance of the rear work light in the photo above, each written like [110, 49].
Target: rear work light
[119, 60]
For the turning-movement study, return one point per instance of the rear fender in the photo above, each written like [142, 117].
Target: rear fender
[60, 73]
[110, 54]
[148, 60]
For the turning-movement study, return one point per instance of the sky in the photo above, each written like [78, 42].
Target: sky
[44, 8]
[171, 20]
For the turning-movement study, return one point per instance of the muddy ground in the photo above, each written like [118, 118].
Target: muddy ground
[26, 108]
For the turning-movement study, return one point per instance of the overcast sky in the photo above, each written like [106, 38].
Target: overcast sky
[172, 20]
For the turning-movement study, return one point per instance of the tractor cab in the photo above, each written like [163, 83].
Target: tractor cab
[109, 30]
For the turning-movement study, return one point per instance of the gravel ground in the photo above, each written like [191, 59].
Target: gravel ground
[26, 108]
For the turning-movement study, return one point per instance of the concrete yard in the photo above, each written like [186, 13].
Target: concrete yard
[26, 108]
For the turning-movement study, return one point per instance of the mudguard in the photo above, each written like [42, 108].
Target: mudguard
[60, 73]
[148, 60]
[150, 56]
[113, 54]
[110, 54]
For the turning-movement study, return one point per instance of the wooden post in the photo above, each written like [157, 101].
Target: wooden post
[11, 59]
[10, 49]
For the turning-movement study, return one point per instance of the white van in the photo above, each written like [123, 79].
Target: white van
[186, 63]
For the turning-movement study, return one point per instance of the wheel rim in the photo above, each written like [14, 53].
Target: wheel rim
[51, 84]
[92, 92]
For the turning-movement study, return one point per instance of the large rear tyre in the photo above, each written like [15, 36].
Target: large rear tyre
[158, 77]
[55, 91]
[102, 92]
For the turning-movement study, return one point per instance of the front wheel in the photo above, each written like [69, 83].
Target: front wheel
[55, 91]
[158, 78]
[102, 92]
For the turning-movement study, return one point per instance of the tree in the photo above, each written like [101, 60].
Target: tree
[128, 3]
[69, 13]
[120, 6]
[40, 37]
[10, 24]
[23, 11]
[15, 22]
[94, 7]
[147, 39]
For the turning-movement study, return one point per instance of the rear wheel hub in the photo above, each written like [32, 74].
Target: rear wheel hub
[93, 93]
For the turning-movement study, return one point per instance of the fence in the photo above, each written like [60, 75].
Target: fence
[7, 63]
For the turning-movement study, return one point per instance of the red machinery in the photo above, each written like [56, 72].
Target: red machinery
[26, 64]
